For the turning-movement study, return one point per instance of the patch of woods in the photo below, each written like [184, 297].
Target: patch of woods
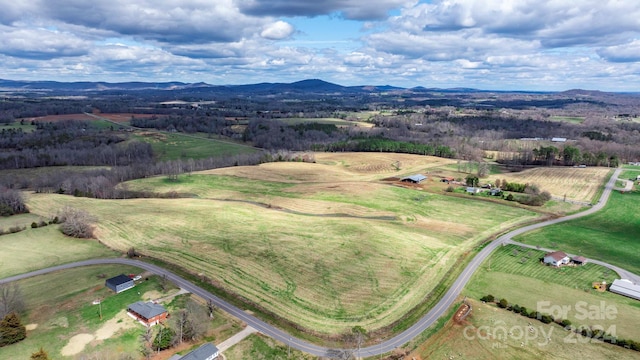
[592, 332]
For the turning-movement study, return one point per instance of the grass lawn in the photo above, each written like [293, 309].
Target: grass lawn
[327, 264]
[34, 249]
[528, 283]
[609, 235]
[484, 334]
[173, 146]
[260, 347]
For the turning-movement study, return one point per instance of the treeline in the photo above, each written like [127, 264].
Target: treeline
[387, 145]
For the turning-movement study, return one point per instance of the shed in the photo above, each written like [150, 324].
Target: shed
[473, 190]
[207, 351]
[579, 260]
[625, 287]
[417, 178]
[148, 313]
[120, 283]
[558, 139]
[556, 258]
[448, 179]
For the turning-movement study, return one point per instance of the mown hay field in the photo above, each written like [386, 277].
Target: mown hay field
[578, 184]
[326, 245]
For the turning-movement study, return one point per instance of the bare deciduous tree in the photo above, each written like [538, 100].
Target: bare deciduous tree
[11, 299]
[76, 223]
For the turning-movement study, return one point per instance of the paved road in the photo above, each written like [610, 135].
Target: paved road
[389, 345]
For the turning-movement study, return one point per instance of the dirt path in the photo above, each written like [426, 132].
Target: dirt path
[236, 338]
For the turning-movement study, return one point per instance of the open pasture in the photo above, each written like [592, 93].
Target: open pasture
[578, 184]
[325, 251]
[335, 121]
[174, 146]
[492, 333]
[34, 249]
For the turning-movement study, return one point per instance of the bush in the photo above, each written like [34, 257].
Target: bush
[449, 189]
[516, 308]
[509, 197]
[488, 298]
[565, 323]
[547, 319]
[503, 303]
[34, 225]
[524, 311]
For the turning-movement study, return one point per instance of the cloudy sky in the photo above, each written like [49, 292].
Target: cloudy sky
[488, 44]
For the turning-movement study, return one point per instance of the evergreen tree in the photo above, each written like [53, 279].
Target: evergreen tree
[164, 339]
[11, 330]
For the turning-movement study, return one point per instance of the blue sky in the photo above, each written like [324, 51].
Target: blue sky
[487, 44]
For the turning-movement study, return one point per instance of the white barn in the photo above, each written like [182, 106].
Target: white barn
[625, 287]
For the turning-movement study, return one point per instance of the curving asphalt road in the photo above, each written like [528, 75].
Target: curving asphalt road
[389, 345]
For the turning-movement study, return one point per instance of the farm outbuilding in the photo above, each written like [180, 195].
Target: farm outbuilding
[148, 313]
[207, 351]
[416, 179]
[579, 260]
[556, 258]
[625, 287]
[119, 283]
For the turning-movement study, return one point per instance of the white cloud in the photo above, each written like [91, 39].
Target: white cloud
[629, 52]
[277, 31]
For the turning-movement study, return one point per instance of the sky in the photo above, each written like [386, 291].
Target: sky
[484, 44]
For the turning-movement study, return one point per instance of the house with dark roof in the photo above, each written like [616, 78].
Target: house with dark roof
[625, 287]
[556, 258]
[148, 313]
[119, 283]
[416, 179]
[207, 351]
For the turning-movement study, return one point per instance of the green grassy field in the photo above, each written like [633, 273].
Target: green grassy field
[173, 146]
[528, 283]
[609, 235]
[569, 119]
[302, 250]
[492, 333]
[334, 121]
[39, 248]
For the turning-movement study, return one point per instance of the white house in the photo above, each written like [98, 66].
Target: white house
[556, 258]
